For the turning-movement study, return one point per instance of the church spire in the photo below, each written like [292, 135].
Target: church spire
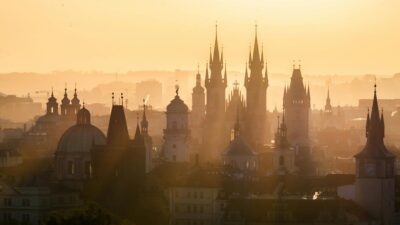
[144, 123]
[246, 77]
[256, 53]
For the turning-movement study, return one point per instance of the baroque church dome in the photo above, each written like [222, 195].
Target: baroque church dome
[177, 105]
[80, 137]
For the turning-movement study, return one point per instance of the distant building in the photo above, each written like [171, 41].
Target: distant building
[375, 170]
[198, 110]
[9, 158]
[73, 159]
[151, 89]
[284, 155]
[32, 204]
[239, 155]
[177, 133]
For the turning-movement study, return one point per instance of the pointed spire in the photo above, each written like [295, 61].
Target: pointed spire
[367, 124]
[216, 48]
[375, 109]
[144, 123]
[210, 56]
[198, 76]
[256, 53]
[382, 125]
[249, 55]
[246, 76]
[266, 74]
[225, 77]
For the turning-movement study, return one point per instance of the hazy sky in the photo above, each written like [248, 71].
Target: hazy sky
[329, 36]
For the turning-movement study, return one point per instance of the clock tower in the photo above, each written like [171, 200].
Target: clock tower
[375, 172]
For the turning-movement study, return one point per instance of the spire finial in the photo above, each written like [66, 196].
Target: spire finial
[65, 88]
[198, 68]
[112, 97]
[294, 65]
[83, 104]
[177, 89]
[122, 99]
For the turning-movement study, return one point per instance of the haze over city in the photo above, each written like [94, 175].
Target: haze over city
[199, 112]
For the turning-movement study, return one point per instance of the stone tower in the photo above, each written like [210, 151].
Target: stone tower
[256, 90]
[177, 133]
[213, 133]
[198, 109]
[375, 171]
[52, 105]
[296, 102]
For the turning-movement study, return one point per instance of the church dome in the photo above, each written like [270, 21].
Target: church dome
[80, 137]
[83, 116]
[177, 105]
[238, 147]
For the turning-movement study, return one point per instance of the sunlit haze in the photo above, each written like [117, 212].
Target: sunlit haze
[328, 36]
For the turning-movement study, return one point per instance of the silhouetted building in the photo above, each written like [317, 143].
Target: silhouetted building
[235, 106]
[198, 110]
[256, 130]
[296, 103]
[177, 133]
[239, 155]
[284, 154]
[214, 127]
[375, 170]
[150, 89]
[73, 159]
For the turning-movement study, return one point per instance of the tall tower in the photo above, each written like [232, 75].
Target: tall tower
[213, 133]
[65, 105]
[296, 102]
[198, 109]
[148, 141]
[256, 91]
[75, 104]
[284, 155]
[375, 170]
[52, 105]
[177, 133]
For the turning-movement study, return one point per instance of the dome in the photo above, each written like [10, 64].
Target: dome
[83, 116]
[80, 138]
[238, 147]
[177, 105]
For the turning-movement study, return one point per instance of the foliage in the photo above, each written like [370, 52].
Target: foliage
[89, 215]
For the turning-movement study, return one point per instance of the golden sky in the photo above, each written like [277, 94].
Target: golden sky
[329, 36]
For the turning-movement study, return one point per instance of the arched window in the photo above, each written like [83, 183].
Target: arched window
[71, 167]
[88, 169]
[281, 160]
[174, 125]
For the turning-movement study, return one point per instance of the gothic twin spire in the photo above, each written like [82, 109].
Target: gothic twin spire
[256, 66]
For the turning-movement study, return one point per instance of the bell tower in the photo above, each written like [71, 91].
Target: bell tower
[375, 170]
[256, 91]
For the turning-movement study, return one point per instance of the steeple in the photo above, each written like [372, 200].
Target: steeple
[216, 61]
[375, 132]
[144, 123]
[225, 77]
[246, 77]
[266, 74]
[328, 106]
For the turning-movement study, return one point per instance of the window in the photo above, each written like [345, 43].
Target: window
[174, 125]
[201, 195]
[26, 202]
[88, 169]
[201, 209]
[7, 217]
[281, 161]
[195, 194]
[25, 218]
[71, 167]
[7, 202]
